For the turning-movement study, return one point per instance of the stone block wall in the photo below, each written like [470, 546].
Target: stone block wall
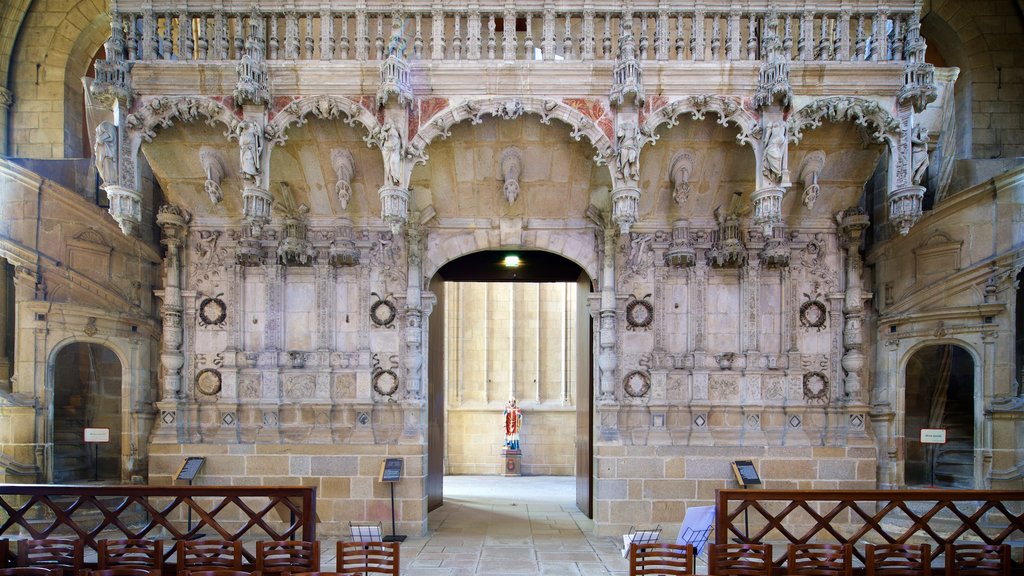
[345, 477]
[659, 482]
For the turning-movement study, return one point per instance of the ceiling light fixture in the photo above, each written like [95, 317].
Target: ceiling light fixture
[511, 261]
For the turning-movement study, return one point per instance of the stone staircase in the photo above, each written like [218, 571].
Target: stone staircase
[953, 465]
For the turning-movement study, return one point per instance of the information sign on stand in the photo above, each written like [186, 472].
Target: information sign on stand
[391, 472]
[190, 468]
[96, 436]
[745, 473]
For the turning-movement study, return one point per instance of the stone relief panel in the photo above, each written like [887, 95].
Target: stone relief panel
[724, 389]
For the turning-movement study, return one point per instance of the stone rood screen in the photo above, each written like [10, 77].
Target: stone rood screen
[718, 30]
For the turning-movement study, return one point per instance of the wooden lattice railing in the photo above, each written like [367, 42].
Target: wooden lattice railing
[860, 517]
[92, 513]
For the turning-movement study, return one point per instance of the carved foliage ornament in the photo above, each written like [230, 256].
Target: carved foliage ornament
[636, 384]
[208, 382]
[813, 314]
[384, 380]
[383, 311]
[816, 388]
[639, 313]
[879, 124]
[212, 311]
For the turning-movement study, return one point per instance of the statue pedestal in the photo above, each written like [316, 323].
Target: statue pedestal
[512, 462]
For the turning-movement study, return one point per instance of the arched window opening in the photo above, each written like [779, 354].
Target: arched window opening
[940, 396]
[86, 394]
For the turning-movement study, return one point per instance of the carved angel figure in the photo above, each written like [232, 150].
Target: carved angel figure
[919, 154]
[250, 143]
[106, 152]
[391, 147]
[628, 159]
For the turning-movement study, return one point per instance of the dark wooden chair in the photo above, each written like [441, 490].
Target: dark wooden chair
[147, 554]
[898, 560]
[122, 571]
[287, 556]
[196, 555]
[368, 557]
[660, 559]
[819, 560]
[58, 554]
[978, 560]
[740, 560]
[5, 553]
[28, 571]
[217, 572]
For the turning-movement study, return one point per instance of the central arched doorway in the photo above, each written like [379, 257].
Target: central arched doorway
[490, 278]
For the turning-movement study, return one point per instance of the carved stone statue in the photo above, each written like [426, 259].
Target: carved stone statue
[213, 166]
[344, 168]
[250, 143]
[511, 168]
[682, 168]
[628, 152]
[774, 151]
[106, 152]
[919, 154]
[391, 147]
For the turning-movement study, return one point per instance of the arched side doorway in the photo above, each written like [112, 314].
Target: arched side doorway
[535, 267]
[940, 395]
[86, 395]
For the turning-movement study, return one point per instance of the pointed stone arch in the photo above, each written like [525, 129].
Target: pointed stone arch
[729, 110]
[162, 112]
[877, 123]
[323, 107]
[597, 129]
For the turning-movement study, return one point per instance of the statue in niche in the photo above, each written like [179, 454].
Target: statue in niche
[250, 143]
[391, 147]
[774, 151]
[919, 154]
[214, 168]
[628, 156]
[513, 423]
[106, 152]
[344, 168]
[511, 168]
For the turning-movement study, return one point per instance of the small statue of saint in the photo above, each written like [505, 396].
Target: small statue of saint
[513, 422]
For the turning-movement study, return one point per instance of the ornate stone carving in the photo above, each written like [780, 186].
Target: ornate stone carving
[816, 388]
[208, 382]
[113, 81]
[344, 168]
[383, 311]
[809, 171]
[639, 254]
[639, 313]
[342, 251]
[919, 154]
[213, 166]
[162, 111]
[879, 125]
[636, 384]
[511, 168]
[775, 253]
[680, 253]
[394, 70]
[249, 250]
[250, 148]
[295, 249]
[299, 387]
[385, 380]
[252, 85]
[773, 87]
[212, 311]
[627, 76]
[727, 249]
[680, 171]
[919, 87]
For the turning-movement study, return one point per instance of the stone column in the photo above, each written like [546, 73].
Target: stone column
[5, 313]
[607, 359]
[6, 100]
[173, 221]
[414, 409]
[852, 225]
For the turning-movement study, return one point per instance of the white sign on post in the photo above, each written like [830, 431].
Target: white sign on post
[97, 435]
[933, 436]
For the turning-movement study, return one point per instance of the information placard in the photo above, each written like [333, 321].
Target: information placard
[745, 473]
[391, 470]
[96, 435]
[933, 436]
[190, 468]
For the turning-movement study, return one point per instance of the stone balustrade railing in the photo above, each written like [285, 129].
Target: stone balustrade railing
[708, 31]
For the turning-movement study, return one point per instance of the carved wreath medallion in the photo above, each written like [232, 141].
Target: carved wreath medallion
[813, 314]
[636, 384]
[212, 312]
[382, 312]
[815, 388]
[208, 382]
[385, 382]
[639, 313]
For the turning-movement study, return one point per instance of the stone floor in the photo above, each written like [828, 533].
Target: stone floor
[495, 526]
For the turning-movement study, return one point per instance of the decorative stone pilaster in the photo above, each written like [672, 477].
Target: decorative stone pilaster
[413, 328]
[173, 222]
[852, 224]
